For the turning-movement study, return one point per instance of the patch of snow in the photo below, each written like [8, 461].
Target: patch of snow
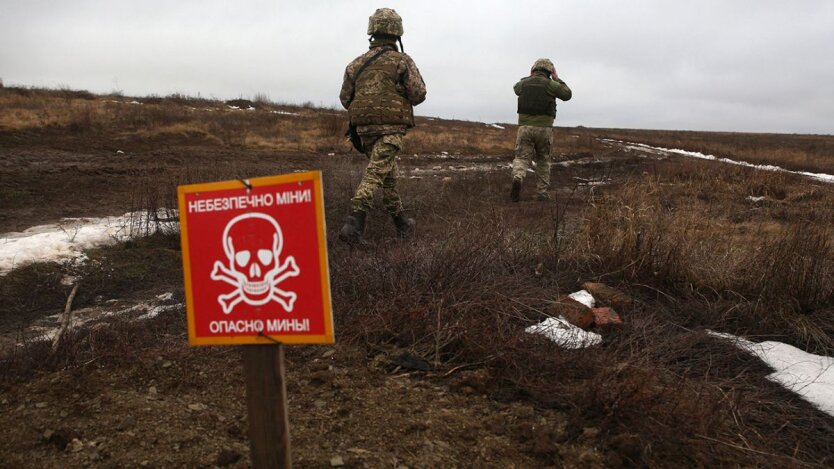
[67, 239]
[165, 296]
[811, 376]
[250, 108]
[756, 199]
[234, 108]
[829, 178]
[285, 113]
[155, 311]
[584, 297]
[495, 126]
[135, 102]
[564, 333]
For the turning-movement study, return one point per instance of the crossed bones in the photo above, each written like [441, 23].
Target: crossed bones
[230, 300]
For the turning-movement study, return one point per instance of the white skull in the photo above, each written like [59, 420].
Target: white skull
[252, 243]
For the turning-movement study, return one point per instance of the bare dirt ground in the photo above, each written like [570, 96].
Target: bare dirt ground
[432, 367]
[175, 406]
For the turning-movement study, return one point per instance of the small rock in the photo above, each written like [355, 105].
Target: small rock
[437, 168]
[337, 461]
[41, 405]
[5, 402]
[64, 414]
[197, 407]
[119, 152]
[166, 364]
[447, 179]
[328, 353]
[331, 154]
[609, 295]
[127, 423]
[48, 434]
[75, 445]
[152, 390]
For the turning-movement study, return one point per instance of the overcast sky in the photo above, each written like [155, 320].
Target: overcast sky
[740, 65]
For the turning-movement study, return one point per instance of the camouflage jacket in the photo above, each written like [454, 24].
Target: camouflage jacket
[556, 88]
[409, 84]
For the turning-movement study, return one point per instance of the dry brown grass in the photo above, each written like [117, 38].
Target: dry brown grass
[795, 152]
[679, 236]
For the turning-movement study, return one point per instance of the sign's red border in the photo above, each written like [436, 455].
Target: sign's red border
[328, 336]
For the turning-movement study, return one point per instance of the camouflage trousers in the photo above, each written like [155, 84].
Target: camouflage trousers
[533, 143]
[381, 172]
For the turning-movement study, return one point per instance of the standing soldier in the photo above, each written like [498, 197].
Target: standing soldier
[379, 89]
[536, 112]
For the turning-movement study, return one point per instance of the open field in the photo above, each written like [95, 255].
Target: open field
[699, 245]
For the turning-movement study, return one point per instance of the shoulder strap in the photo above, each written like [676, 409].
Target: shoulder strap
[370, 61]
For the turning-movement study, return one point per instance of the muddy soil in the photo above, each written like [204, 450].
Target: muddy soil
[174, 406]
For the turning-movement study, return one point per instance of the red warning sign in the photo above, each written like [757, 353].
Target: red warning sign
[254, 258]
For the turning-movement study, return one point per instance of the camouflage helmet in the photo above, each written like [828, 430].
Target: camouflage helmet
[545, 65]
[385, 21]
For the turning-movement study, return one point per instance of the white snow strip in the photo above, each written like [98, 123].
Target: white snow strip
[811, 376]
[756, 199]
[286, 113]
[495, 126]
[67, 239]
[829, 178]
[564, 333]
[584, 297]
[155, 311]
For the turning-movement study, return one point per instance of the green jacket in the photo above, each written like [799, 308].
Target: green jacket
[555, 89]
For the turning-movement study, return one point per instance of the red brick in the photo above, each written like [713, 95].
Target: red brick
[606, 317]
[575, 312]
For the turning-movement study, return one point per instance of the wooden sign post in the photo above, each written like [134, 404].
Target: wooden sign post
[256, 274]
[266, 400]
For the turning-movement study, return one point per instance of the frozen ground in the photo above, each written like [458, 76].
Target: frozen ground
[811, 376]
[829, 178]
[67, 239]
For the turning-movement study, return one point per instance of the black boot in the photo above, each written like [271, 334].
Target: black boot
[351, 232]
[515, 193]
[405, 225]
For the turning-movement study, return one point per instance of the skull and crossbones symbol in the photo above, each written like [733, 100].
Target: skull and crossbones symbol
[252, 243]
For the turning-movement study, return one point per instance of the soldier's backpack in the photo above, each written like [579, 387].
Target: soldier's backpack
[351, 131]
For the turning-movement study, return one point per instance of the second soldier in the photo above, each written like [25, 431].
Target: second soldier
[536, 112]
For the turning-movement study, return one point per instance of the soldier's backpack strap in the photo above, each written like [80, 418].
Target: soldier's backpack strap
[351, 131]
[370, 61]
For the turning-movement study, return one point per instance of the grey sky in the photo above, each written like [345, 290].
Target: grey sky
[703, 65]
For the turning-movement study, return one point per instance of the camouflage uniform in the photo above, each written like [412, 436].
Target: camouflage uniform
[379, 95]
[383, 141]
[537, 111]
[533, 143]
